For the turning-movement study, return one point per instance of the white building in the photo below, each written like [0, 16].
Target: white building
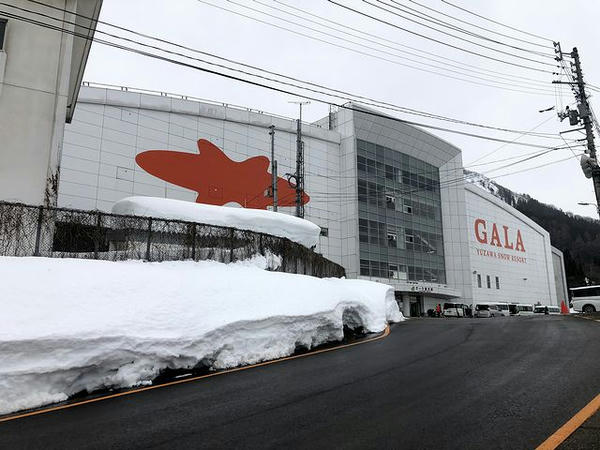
[40, 75]
[389, 197]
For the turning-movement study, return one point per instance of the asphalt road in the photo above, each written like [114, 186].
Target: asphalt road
[433, 383]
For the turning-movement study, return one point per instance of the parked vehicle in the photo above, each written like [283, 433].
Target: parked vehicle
[546, 309]
[487, 310]
[503, 309]
[520, 309]
[525, 309]
[454, 310]
[586, 299]
[482, 310]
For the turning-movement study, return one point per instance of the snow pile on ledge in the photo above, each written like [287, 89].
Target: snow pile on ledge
[283, 225]
[69, 325]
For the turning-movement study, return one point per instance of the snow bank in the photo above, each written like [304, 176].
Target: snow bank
[68, 325]
[283, 225]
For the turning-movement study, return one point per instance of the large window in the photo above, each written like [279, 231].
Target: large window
[478, 280]
[399, 211]
[489, 282]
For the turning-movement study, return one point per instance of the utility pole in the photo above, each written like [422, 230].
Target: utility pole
[589, 163]
[273, 168]
[299, 175]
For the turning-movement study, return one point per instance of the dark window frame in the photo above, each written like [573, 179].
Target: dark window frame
[3, 23]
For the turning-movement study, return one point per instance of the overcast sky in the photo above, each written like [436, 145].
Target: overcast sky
[373, 74]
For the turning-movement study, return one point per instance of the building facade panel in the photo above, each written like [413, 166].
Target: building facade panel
[390, 198]
[104, 139]
[510, 254]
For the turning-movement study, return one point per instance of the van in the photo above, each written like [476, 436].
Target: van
[503, 309]
[487, 310]
[454, 310]
[482, 310]
[546, 309]
[525, 309]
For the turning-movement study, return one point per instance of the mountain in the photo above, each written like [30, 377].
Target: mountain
[576, 236]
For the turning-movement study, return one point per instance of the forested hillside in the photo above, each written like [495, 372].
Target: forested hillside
[577, 237]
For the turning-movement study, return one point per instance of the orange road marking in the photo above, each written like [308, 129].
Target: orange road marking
[385, 334]
[568, 428]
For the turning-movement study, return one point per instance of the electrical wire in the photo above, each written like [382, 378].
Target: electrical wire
[438, 41]
[504, 145]
[415, 13]
[438, 57]
[532, 91]
[477, 26]
[497, 22]
[362, 99]
[535, 84]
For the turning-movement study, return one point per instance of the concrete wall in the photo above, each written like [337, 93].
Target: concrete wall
[33, 104]
[110, 127]
[524, 276]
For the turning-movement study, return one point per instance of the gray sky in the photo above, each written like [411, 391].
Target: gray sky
[203, 27]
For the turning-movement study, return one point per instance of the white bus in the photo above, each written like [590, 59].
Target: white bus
[546, 309]
[586, 298]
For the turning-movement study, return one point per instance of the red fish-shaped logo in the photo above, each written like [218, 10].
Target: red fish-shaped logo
[217, 179]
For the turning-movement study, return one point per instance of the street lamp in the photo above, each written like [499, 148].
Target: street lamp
[590, 204]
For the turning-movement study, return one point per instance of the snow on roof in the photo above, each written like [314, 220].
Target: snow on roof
[295, 229]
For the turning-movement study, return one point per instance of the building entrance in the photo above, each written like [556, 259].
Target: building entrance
[416, 305]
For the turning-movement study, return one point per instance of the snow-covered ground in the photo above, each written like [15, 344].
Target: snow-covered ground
[68, 325]
[278, 224]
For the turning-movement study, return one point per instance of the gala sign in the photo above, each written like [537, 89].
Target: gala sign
[491, 236]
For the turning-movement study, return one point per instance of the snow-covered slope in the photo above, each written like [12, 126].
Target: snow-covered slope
[69, 325]
[504, 194]
[283, 225]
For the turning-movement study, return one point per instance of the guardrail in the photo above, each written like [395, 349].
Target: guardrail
[27, 230]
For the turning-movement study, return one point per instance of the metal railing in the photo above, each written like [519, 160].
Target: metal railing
[70, 233]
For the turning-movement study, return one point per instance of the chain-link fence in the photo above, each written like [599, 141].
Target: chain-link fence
[70, 233]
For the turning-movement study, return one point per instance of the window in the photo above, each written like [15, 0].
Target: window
[586, 292]
[393, 271]
[410, 239]
[324, 231]
[390, 201]
[2, 30]
[497, 283]
[479, 280]
[392, 238]
[489, 282]
[364, 267]
[407, 209]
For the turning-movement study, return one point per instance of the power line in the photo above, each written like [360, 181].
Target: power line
[533, 91]
[477, 26]
[515, 79]
[504, 145]
[505, 75]
[413, 12]
[348, 96]
[255, 83]
[437, 40]
[496, 22]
